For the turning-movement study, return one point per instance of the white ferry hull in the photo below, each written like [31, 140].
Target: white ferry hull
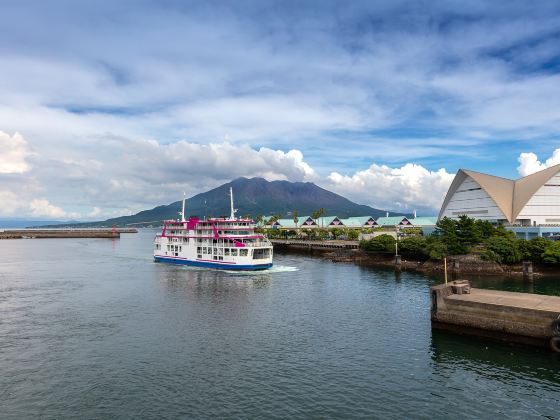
[222, 243]
[213, 264]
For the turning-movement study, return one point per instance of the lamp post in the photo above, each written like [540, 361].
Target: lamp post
[396, 240]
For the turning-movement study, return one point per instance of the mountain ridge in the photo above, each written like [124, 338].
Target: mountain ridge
[252, 196]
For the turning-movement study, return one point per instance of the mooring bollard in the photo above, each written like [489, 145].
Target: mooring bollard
[528, 270]
[397, 262]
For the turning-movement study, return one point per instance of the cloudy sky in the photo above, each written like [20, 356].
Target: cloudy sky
[110, 107]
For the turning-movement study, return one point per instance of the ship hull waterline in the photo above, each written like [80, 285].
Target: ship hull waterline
[216, 265]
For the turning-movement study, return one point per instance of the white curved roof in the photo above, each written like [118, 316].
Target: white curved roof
[510, 196]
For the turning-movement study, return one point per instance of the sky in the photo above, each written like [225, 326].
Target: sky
[111, 107]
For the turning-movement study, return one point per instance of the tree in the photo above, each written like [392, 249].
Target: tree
[447, 232]
[533, 249]
[437, 250]
[318, 214]
[502, 249]
[322, 233]
[415, 245]
[352, 234]
[296, 218]
[552, 253]
[381, 243]
[336, 232]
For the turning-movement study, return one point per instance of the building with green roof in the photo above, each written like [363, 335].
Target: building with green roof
[393, 221]
[328, 221]
[359, 222]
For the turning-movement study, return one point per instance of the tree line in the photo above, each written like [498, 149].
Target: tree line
[470, 236]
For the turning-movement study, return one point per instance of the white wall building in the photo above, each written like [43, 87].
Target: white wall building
[530, 201]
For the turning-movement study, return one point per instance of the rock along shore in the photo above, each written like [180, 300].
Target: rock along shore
[456, 265]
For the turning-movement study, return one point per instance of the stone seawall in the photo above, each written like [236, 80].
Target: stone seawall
[456, 265]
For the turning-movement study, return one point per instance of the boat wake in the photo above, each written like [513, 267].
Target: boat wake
[275, 269]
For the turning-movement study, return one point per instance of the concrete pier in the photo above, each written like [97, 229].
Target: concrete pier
[314, 245]
[507, 316]
[62, 233]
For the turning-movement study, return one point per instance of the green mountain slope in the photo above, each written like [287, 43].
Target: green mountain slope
[255, 196]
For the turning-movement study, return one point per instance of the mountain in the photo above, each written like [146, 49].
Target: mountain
[255, 196]
[24, 223]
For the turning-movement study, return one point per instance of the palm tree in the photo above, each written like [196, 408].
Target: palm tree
[318, 214]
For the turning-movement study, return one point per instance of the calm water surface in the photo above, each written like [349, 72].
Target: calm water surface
[92, 328]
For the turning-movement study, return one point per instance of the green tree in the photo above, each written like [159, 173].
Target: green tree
[415, 245]
[318, 214]
[292, 233]
[381, 243]
[447, 232]
[336, 232]
[296, 217]
[322, 233]
[352, 234]
[533, 250]
[552, 253]
[503, 249]
[436, 249]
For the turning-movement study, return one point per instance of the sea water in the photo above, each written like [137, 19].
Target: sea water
[93, 328]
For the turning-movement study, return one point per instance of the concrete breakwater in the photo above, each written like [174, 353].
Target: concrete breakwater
[507, 316]
[63, 233]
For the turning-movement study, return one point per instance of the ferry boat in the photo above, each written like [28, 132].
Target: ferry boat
[223, 243]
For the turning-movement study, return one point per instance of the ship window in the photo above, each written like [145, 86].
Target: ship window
[243, 252]
[226, 251]
[234, 252]
[221, 258]
[198, 249]
[215, 257]
[199, 256]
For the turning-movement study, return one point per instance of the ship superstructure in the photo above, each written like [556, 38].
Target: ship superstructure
[224, 243]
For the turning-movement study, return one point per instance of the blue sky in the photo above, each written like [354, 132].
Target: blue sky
[111, 107]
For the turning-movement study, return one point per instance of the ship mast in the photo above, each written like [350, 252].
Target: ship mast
[183, 210]
[232, 216]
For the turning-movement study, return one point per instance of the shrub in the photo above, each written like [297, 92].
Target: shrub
[352, 234]
[381, 243]
[552, 252]
[413, 245]
[436, 249]
[503, 249]
[533, 249]
[336, 232]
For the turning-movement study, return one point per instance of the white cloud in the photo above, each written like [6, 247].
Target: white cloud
[136, 174]
[42, 208]
[9, 203]
[529, 162]
[407, 188]
[95, 212]
[14, 151]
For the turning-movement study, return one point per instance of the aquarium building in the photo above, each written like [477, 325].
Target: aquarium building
[532, 201]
